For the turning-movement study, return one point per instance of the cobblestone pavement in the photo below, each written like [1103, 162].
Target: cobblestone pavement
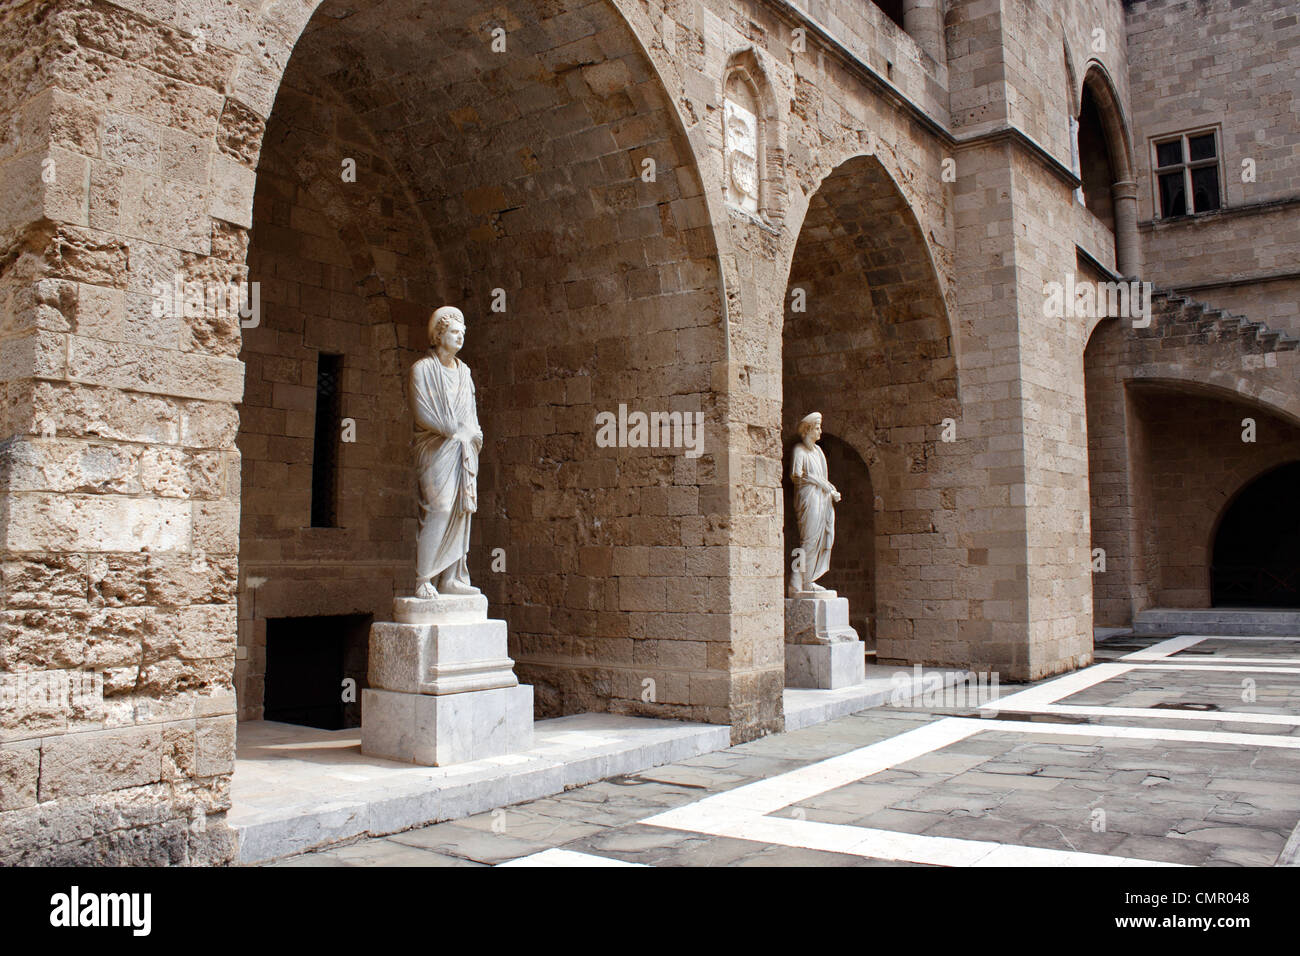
[1186, 769]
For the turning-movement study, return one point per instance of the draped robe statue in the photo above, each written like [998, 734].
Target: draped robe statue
[447, 444]
[814, 505]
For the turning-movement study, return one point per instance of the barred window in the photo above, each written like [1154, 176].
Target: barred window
[325, 451]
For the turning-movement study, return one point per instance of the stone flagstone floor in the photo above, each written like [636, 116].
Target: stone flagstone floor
[1182, 751]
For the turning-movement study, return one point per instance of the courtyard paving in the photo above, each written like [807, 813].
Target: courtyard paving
[1168, 752]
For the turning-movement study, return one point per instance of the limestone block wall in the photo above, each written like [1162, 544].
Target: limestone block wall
[1041, 91]
[1119, 484]
[1198, 462]
[121, 475]
[867, 30]
[1221, 258]
[522, 173]
[1055, 430]
[1230, 66]
[1218, 63]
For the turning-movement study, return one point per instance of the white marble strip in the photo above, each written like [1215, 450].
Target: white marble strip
[1054, 690]
[1175, 645]
[773, 793]
[1203, 662]
[1143, 733]
[1162, 650]
[569, 858]
[1245, 637]
[1226, 716]
[1219, 664]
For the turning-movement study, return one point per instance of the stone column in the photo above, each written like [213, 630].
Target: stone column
[923, 21]
[1128, 256]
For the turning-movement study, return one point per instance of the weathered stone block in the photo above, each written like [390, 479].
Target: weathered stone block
[99, 761]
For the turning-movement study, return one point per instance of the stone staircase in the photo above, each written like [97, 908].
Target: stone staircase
[1184, 320]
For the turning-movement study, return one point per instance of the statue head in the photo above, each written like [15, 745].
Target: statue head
[447, 329]
[811, 424]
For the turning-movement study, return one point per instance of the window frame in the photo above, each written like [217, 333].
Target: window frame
[1186, 166]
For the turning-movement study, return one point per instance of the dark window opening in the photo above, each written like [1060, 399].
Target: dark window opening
[1096, 174]
[1205, 188]
[307, 661]
[892, 9]
[325, 450]
[1257, 546]
[1187, 175]
[1173, 198]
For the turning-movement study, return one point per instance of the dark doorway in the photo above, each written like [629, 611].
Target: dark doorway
[1257, 546]
[307, 661]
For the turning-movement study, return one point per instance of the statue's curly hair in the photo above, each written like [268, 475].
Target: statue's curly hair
[440, 319]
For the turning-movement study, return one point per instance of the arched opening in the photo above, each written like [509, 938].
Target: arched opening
[866, 342]
[1165, 457]
[1257, 544]
[525, 164]
[1095, 167]
[1106, 167]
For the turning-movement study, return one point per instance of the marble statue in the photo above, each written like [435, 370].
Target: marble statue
[814, 504]
[447, 444]
[443, 688]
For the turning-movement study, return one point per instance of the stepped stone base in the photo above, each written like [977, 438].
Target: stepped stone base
[821, 649]
[1248, 622]
[442, 688]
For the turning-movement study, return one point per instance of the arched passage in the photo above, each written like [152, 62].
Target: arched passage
[1256, 552]
[1169, 447]
[544, 186]
[866, 342]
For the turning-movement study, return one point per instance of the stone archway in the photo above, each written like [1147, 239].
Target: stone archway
[1168, 447]
[550, 192]
[866, 341]
[1106, 167]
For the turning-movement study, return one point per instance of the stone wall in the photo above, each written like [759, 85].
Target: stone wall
[1230, 66]
[942, 193]
[121, 478]
[1198, 462]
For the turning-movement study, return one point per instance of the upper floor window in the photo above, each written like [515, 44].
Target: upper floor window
[1187, 173]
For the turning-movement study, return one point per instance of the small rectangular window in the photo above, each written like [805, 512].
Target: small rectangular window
[325, 449]
[1187, 174]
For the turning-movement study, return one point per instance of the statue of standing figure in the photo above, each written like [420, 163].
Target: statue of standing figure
[447, 444]
[814, 504]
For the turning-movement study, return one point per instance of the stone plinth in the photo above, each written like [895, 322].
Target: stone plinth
[442, 688]
[821, 649]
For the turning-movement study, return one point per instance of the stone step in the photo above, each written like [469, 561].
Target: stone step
[1255, 622]
[1175, 309]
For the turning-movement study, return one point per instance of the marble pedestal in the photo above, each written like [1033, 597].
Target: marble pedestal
[442, 688]
[821, 649]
